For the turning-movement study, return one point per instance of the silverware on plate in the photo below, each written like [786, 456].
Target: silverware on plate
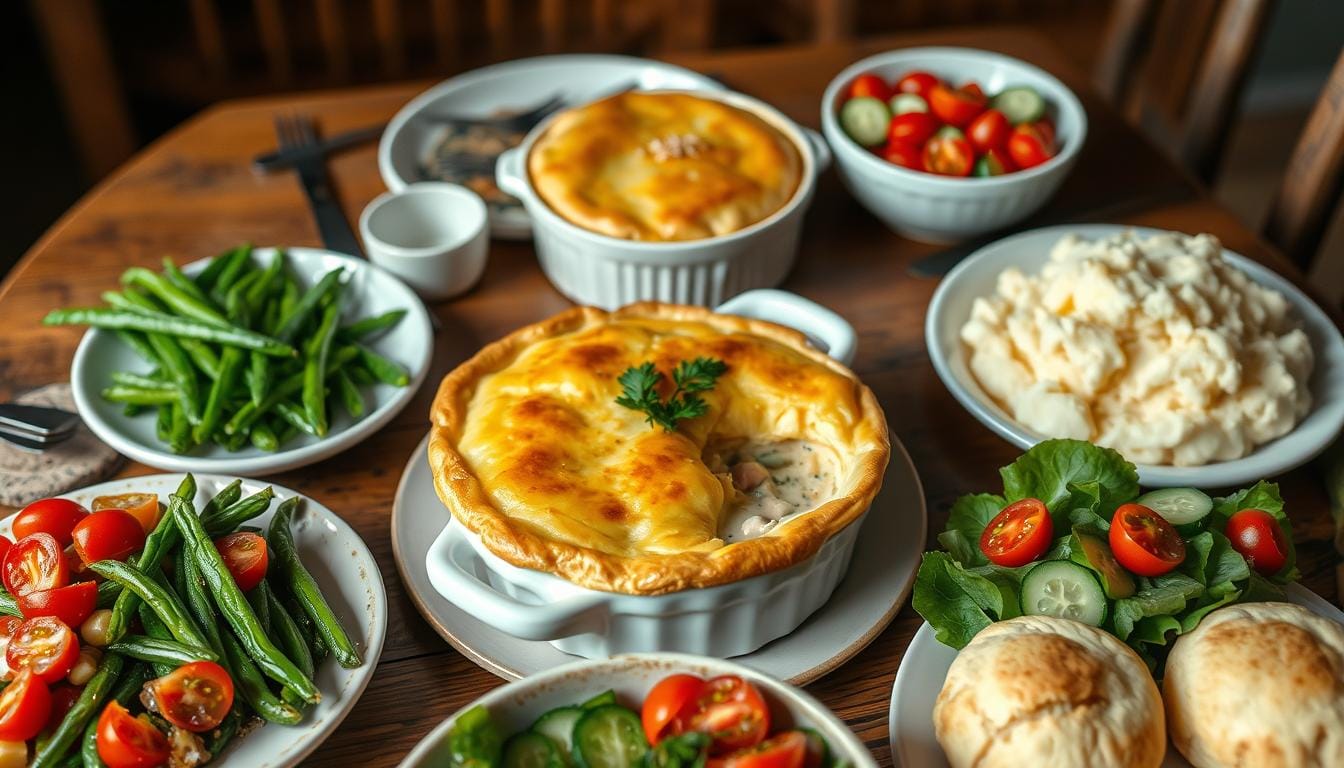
[298, 137]
[521, 120]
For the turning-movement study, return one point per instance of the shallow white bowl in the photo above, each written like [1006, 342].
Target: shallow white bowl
[1029, 251]
[940, 209]
[369, 291]
[517, 705]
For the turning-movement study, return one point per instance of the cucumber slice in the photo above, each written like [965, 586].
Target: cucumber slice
[609, 736]
[1020, 105]
[531, 750]
[949, 132]
[606, 697]
[1064, 589]
[865, 119]
[1115, 580]
[1179, 506]
[558, 726]
[986, 166]
[907, 102]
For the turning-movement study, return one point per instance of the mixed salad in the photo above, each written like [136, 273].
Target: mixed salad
[684, 722]
[926, 124]
[1072, 536]
[135, 636]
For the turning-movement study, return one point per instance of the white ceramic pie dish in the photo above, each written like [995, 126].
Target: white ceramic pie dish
[609, 272]
[723, 621]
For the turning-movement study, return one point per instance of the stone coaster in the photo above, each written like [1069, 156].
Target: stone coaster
[26, 476]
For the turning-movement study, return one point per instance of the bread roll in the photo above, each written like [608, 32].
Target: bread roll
[1258, 684]
[1040, 691]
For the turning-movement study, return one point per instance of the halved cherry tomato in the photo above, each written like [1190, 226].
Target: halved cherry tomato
[904, 154]
[666, 701]
[989, 131]
[45, 645]
[730, 710]
[35, 562]
[1019, 534]
[1047, 130]
[1257, 536]
[24, 707]
[948, 156]
[973, 88]
[1144, 542]
[142, 506]
[63, 698]
[129, 742]
[784, 750]
[246, 556]
[918, 83]
[955, 107]
[869, 85]
[911, 128]
[72, 603]
[56, 517]
[108, 534]
[7, 626]
[195, 696]
[1029, 147]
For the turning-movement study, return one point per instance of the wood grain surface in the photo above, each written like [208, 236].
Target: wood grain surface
[191, 194]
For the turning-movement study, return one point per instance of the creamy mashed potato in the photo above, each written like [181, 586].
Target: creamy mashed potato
[1153, 346]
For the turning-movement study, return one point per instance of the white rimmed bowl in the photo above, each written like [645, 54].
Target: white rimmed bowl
[433, 235]
[977, 276]
[514, 707]
[941, 209]
[608, 272]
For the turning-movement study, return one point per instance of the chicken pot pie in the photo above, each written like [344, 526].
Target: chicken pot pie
[663, 166]
[531, 451]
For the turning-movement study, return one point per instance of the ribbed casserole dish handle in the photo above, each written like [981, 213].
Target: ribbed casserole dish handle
[818, 322]
[509, 172]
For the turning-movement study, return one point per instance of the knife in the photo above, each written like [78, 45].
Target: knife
[281, 159]
[36, 420]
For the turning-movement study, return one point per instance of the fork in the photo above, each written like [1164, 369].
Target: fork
[297, 134]
[518, 121]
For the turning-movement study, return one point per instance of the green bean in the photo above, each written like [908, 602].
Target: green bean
[291, 385]
[235, 443]
[263, 439]
[266, 280]
[233, 272]
[140, 395]
[139, 380]
[176, 299]
[179, 432]
[233, 605]
[285, 630]
[315, 367]
[306, 628]
[386, 371]
[159, 651]
[262, 608]
[252, 685]
[296, 417]
[284, 431]
[160, 322]
[183, 283]
[163, 422]
[181, 372]
[230, 365]
[351, 397]
[85, 707]
[289, 296]
[298, 315]
[9, 605]
[107, 594]
[202, 356]
[124, 301]
[138, 343]
[259, 374]
[221, 521]
[222, 263]
[360, 374]
[154, 627]
[162, 601]
[304, 587]
[198, 602]
[371, 326]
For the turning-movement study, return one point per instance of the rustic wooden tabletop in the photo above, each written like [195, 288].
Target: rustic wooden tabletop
[191, 194]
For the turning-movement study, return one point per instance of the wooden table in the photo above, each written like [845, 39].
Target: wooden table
[191, 194]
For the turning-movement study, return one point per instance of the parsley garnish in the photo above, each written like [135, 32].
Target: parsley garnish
[639, 390]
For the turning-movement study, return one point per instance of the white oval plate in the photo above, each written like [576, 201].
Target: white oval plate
[976, 277]
[369, 291]
[517, 705]
[924, 668]
[881, 572]
[576, 77]
[349, 577]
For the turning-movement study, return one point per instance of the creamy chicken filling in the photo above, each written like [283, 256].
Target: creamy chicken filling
[770, 482]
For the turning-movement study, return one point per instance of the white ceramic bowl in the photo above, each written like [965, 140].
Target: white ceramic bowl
[940, 209]
[516, 706]
[727, 620]
[608, 272]
[433, 235]
[1029, 251]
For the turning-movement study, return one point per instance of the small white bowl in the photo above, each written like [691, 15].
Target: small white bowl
[433, 235]
[978, 275]
[516, 706]
[941, 209]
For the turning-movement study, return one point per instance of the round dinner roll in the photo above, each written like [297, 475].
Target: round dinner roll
[1042, 691]
[1258, 684]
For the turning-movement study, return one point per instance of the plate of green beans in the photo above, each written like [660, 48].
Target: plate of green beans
[253, 362]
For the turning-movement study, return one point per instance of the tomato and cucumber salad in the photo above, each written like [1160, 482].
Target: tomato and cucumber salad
[924, 123]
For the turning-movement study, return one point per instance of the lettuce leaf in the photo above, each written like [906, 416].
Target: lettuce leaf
[1050, 468]
[965, 523]
[958, 602]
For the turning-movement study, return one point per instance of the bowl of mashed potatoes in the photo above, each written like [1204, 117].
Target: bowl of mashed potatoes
[1203, 367]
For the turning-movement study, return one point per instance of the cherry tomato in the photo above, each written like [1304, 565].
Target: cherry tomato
[72, 603]
[5, 544]
[35, 562]
[1144, 542]
[1019, 534]
[665, 701]
[1257, 536]
[948, 156]
[904, 154]
[63, 698]
[918, 83]
[730, 710]
[870, 85]
[1046, 129]
[7, 626]
[56, 517]
[784, 750]
[195, 697]
[246, 556]
[955, 107]
[129, 742]
[995, 162]
[142, 506]
[45, 645]
[911, 128]
[1028, 146]
[973, 88]
[108, 534]
[25, 705]
[989, 131]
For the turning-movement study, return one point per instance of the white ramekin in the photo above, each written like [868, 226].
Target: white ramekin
[608, 272]
[723, 621]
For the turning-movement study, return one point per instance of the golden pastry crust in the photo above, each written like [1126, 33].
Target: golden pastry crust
[663, 166]
[530, 450]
